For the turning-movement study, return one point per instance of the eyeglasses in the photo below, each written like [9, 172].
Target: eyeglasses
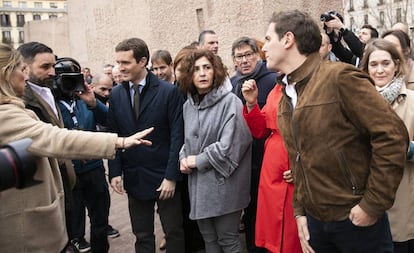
[248, 55]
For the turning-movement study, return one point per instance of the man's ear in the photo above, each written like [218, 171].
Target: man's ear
[143, 60]
[289, 39]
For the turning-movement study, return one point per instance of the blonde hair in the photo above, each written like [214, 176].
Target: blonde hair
[9, 60]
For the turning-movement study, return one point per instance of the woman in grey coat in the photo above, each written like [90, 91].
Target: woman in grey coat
[216, 153]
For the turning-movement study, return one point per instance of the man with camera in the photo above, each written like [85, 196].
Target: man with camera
[91, 189]
[336, 30]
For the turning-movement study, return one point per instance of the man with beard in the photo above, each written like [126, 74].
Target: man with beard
[39, 98]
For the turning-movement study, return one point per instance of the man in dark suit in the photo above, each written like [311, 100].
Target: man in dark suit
[149, 174]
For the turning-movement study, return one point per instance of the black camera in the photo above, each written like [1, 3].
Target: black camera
[17, 166]
[70, 82]
[68, 75]
[327, 16]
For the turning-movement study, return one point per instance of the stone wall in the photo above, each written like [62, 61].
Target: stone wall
[96, 26]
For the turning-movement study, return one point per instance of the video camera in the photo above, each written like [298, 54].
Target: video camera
[68, 75]
[327, 16]
[17, 166]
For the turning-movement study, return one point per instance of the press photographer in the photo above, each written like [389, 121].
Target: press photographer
[16, 165]
[336, 30]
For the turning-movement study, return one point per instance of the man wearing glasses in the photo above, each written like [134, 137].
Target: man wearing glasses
[249, 65]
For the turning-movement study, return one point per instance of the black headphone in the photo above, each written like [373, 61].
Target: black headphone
[67, 65]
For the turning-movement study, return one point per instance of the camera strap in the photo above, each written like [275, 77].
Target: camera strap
[71, 111]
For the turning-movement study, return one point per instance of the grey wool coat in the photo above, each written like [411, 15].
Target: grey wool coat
[216, 133]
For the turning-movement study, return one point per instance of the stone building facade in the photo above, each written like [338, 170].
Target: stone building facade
[95, 27]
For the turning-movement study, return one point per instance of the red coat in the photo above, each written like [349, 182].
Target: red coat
[276, 228]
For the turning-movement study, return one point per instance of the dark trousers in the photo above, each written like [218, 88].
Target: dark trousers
[221, 233]
[249, 216]
[91, 190]
[193, 239]
[345, 237]
[142, 221]
[404, 247]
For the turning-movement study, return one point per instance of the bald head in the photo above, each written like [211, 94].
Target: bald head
[102, 85]
[326, 47]
[400, 26]
[116, 74]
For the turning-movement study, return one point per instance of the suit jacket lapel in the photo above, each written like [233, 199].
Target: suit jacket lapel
[149, 91]
[34, 100]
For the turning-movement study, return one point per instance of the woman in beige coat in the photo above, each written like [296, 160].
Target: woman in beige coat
[32, 219]
[386, 67]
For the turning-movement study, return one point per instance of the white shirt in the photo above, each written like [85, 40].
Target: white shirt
[291, 91]
[46, 94]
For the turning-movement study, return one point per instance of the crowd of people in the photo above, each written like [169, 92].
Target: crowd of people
[306, 147]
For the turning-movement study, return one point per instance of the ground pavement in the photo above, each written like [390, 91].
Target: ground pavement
[119, 219]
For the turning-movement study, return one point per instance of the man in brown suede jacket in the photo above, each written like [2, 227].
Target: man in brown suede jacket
[346, 145]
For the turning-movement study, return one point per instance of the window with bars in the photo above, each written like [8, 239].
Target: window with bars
[398, 15]
[6, 37]
[22, 4]
[7, 4]
[21, 37]
[37, 17]
[20, 20]
[5, 20]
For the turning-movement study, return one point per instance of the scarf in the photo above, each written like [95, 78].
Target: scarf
[391, 91]
[239, 78]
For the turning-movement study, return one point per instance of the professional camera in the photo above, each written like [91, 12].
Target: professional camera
[17, 166]
[68, 75]
[327, 16]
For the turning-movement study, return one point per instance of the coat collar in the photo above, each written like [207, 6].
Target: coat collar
[148, 92]
[32, 100]
[304, 71]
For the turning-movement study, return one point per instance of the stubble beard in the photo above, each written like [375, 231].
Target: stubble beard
[44, 83]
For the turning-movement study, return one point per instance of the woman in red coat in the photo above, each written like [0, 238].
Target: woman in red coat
[276, 228]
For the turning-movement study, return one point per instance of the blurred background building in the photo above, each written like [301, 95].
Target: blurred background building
[382, 14]
[14, 14]
[90, 30]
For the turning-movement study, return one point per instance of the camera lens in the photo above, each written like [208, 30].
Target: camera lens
[17, 166]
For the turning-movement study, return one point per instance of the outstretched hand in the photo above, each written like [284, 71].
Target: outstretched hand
[136, 139]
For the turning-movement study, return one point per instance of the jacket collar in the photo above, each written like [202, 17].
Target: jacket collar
[304, 71]
[148, 92]
[32, 100]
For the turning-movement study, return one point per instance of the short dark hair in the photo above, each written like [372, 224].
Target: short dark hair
[187, 69]
[30, 49]
[162, 55]
[138, 47]
[307, 33]
[242, 41]
[374, 32]
[203, 35]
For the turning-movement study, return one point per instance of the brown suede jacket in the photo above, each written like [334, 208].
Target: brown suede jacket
[346, 145]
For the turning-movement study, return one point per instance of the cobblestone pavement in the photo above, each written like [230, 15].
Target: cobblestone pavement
[119, 219]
